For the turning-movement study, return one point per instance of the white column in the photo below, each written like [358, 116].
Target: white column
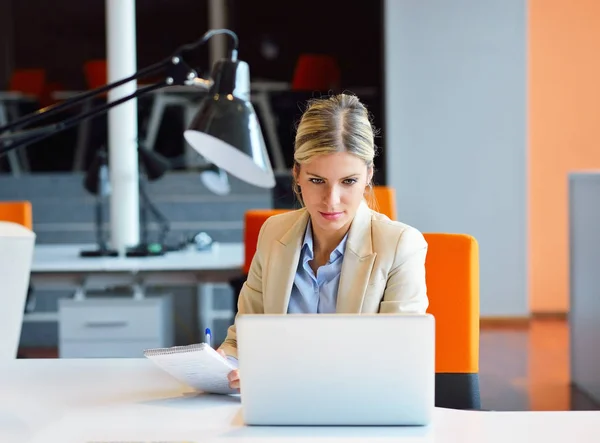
[217, 49]
[122, 125]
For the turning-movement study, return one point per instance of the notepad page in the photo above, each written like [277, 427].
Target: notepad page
[201, 368]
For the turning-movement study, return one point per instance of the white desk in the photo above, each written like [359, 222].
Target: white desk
[61, 267]
[105, 400]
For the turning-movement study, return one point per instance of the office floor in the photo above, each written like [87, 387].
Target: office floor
[527, 368]
[521, 368]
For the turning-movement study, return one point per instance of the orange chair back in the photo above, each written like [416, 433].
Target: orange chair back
[316, 72]
[253, 221]
[17, 212]
[95, 72]
[452, 273]
[383, 201]
[28, 81]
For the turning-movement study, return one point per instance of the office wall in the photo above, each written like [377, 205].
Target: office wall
[564, 100]
[456, 131]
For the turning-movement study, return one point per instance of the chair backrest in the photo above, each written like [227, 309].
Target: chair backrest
[384, 201]
[253, 221]
[28, 81]
[17, 212]
[452, 273]
[316, 72]
[16, 254]
[95, 72]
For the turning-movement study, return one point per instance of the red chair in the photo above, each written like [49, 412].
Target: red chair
[316, 72]
[28, 81]
[95, 72]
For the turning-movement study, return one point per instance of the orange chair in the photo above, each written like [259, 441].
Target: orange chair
[95, 72]
[17, 212]
[28, 81]
[452, 273]
[383, 201]
[253, 221]
[316, 72]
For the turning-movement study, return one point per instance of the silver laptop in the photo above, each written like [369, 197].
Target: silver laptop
[337, 369]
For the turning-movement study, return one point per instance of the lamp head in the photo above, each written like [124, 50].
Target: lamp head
[226, 130]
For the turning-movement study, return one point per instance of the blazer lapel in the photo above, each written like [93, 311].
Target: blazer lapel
[359, 259]
[283, 261]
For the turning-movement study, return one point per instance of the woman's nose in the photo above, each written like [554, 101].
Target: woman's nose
[333, 196]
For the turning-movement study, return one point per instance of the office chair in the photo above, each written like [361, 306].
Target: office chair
[452, 274]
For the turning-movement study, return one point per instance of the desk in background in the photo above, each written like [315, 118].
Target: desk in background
[63, 214]
[111, 400]
[61, 267]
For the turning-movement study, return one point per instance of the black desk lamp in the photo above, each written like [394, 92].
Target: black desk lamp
[225, 130]
[97, 183]
[155, 166]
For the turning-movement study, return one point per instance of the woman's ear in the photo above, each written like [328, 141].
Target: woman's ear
[296, 171]
[370, 176]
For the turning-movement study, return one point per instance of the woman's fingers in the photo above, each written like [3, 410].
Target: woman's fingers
[234, 379]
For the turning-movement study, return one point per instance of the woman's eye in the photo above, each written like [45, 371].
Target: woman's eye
[316, 180]
[349, 181]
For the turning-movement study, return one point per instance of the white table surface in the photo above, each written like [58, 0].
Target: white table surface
[65, 258]
[110, 400]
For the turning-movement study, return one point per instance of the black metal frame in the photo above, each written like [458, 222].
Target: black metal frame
[177, 73]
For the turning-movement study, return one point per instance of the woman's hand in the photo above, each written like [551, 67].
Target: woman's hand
[233, 376]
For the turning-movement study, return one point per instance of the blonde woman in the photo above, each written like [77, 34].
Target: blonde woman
[335, 255]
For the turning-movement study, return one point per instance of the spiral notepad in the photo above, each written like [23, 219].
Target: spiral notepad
[198, 366]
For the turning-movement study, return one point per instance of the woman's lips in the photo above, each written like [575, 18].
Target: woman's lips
[331, 216]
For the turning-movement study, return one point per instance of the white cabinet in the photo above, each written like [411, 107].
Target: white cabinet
[114, 326]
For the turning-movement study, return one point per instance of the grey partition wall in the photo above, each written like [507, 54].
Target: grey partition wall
[63, 212]
[456, 131]
[584, 315]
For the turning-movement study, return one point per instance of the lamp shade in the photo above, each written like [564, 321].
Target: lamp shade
[226, 130]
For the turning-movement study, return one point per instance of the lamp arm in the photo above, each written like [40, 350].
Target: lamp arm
[25, 137]
[51, 110]
[178, 73]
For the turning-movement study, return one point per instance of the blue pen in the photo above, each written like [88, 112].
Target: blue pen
[207, 337]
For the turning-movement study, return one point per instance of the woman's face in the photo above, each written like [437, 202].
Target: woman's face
[333, 187]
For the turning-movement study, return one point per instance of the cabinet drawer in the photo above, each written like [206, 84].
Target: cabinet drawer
[111, 320]
[105, 349]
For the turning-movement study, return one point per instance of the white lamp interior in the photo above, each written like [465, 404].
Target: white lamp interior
[230, 159]
[216, 182]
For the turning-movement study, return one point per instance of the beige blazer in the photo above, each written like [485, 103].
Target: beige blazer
[383, 268]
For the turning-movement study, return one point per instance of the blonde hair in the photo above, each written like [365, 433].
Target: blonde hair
[338, 123]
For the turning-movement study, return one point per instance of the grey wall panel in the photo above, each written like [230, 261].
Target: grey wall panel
[63, 212]
[455, 80]
[584, 233]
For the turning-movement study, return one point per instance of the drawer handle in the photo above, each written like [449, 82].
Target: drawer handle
[105, 324]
